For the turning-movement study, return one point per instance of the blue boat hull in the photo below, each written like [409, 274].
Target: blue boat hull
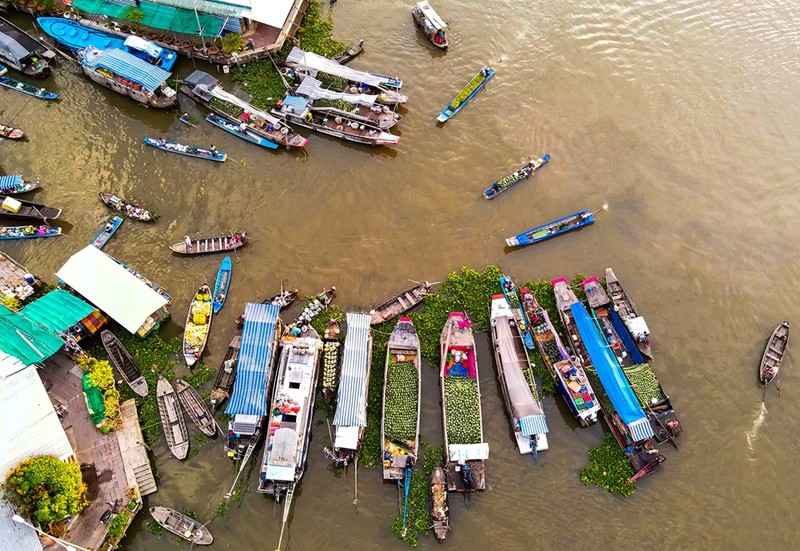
[489, 192]
[25, 88]
[230, 126]
[222, 285]
[219, 156]
[104, 235]
[16, 232]
[551, 229]
[448, 113]
[519, 316]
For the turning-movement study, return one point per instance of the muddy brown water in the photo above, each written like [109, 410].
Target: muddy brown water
[681, 115]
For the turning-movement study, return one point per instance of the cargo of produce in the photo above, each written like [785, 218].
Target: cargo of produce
[644, 383]
[462, 405]
[330, 362]
[468, 89]
[400, 415]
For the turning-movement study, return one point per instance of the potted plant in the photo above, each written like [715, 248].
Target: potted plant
[197, 47]
[213, 50]
[136, 16]
[151, 36]
[232, 43]
[186, 44]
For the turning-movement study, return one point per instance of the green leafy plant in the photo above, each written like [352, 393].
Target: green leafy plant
[118, 525]
[609, 468]
[232, 43]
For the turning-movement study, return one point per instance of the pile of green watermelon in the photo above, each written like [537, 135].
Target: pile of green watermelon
[462, 404]
[402, 391]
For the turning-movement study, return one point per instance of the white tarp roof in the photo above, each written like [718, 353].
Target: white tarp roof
[269, 12]
[313, 62]
[110, 287]
[637, 326]
[13, 536]
[143, 45]
[347, 438]
[312, 88]
[468, 452]
[431, 14]
[218, 92]
[29, 425]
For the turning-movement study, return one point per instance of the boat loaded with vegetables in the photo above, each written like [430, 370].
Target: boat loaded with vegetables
[131, 210]
[28, 232]
[244, 133]
[24, 87]
[552, 229]
[440, 506]
[465, 96]
[515, 177]
[198, 324]
[314, 307]
[330, 360]
[465, 449]
[186, 149]
[510, 293]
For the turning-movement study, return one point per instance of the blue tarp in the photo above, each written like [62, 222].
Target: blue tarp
[617, 387]
[127, 66]
[299, 104]
[254, 366]
[10, 182]
[351, 409]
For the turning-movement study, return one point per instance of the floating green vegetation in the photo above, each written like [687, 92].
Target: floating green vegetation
[200, 376]
[417, 520]
[222, 508]
[609, 468]
[154, 528]
[315, 34]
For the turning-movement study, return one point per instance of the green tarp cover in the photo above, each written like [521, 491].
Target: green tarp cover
[57, 310]
[158, 17]
[21, 338]
[94, 400]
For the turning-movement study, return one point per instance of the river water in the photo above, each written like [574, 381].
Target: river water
[681, 115]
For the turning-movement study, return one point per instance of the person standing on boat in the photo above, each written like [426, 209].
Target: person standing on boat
[213, 149]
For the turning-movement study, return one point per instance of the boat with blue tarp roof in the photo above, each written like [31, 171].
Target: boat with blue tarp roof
[552, 229]
[15, 184]
[246, 134]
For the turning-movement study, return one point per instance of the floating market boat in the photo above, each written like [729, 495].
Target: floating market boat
[515, 177]
[342, 88]
[226, 374]
[350, 53]
[11, 133]
[193, 405]
[431, 24]
[235, 129]
[330, 360]
[465, 449]
[205, 245]
[108, 230]
[28, 232]
[514, 371]
[15, 185]
[74, 36]
[312, 64]
[222, 284]
[18, 208]
[131, 210]
[626, 310]
[24, 87]
[121, 359]
[128, 75]
[186, 119]
[552, 229]
[172, 421]
[401, 303]
[773, 354]
[281, 300]
[314, 307]
[186, 149]
[465, 96]
[182, 525]
[402, 397]
[440, 508]
[206, 90]
[356, 106]
[510, 293]
[198, 324]
[567, 371]
[22, 52]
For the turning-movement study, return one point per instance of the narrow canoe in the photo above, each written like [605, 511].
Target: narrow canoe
[222, 284]
[773, 353]
[108, 230]
[281, 300]
[193, 405]
[226, 374]
[186, 119]
[172, 421]
[15, 184]
[350, 53]
[198, 324]
[515, 177]
[31, 210]
[473, 87]
[230, 126]
[314, 307]
[186, 149]
[182, 525]
[121, 359]
[440, 508]
[26, 88]
[205, 245]
[399, 304]
[131, 210]
[11, 133]
[510, 294]
[28, 232]
[552, 229]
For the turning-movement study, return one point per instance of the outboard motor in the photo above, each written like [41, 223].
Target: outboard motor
[467, 478]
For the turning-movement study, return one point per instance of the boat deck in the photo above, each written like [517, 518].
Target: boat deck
[456, 484]
[12, 278]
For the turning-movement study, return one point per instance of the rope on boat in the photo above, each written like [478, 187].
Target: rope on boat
[287, 504]
[355, 497]
[246, 458]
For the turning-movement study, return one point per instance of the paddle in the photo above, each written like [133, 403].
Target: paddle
[604, 207]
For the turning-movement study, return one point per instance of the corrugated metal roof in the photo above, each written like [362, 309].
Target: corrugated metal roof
[10, 182]
[15, 536]
[533, 424]
[25, 340]
[352, 401]
[297, 102]
[127, 66]
[254, 366]
[57, 310]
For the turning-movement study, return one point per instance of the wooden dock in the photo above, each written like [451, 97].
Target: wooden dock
[134, 453]
[12, 278]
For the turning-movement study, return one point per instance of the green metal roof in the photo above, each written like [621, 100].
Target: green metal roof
[57, 310]
[22, 338]
[158, 17]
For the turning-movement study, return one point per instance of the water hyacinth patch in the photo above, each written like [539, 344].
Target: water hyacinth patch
[402, 390]
[462, 404]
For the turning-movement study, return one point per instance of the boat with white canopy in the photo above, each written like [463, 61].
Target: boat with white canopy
[356, 106]
[431, 24]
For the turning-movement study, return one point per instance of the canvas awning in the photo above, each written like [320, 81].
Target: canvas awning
[312, 88]
[351, 409]
[431, 15]
[313, 62]
[57, 311]
[139, 43]
[111, 288]
[12, 49]
[127, 66]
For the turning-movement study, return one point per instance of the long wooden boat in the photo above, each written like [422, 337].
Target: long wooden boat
[121, 359]
[521, 398]
[235, 129]
[431, 24]
[467, 94]
[172, 421]
[462, 418]
[314, 307]
[31, 210]
[624, 306]
[198, 324]
[380, 116]
[226, 374]
[131, 210]
[282, 300]
[350, 53]
[108, 230]
[552, 229]
[510, 293]
[773, 354]
[28, 232]
[222, 284]
[402, 398]
[25, 88]
[182, 525]
[15, 184]
[194, 406]
[440, 507]
[515, 177]
[330, 360]
[185, 149]
[22, 52]
[11, 133]
[400, 304]
[204, 245]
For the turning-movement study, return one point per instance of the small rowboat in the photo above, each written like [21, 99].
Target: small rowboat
[182, 525]
[281, 300]
[193, 405]
[399, 304]
[186, 119]
[28, 232]
[26, 88]
[172, 421]
[127, 208]
[15, 185]
[233, 128]
[510, 294]
[11, 133]
[226, 374]
[204, 245]
[552, 229]
[198, 324]
[350, 53]
[121, 359]
[773, 354]
[440, 509]
[108, 230]
[515, 177]
[222, 284]
[31, 210]
[431, 24]
[465, 96]
[188, 150]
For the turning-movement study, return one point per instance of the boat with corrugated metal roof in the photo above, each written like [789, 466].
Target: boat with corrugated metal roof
[15, 184]
[22, 52]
